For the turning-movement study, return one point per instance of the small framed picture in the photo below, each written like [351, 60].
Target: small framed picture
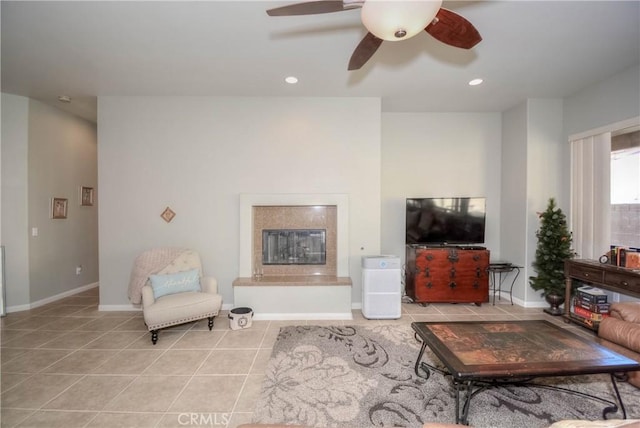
[168, 214]
[86, 196]
[59, 208]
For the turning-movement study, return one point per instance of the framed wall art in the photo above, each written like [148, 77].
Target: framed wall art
[168, 214]
[86, 196]
[59, 208]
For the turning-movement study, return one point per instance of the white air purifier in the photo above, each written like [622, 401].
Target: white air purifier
[381, 287]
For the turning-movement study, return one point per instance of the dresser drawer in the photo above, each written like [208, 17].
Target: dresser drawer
[451, 291]
[586, 273]
[623, 281]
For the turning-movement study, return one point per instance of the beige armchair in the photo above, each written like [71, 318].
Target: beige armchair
[169, 284]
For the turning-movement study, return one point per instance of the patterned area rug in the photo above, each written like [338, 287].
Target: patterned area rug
[364, 377]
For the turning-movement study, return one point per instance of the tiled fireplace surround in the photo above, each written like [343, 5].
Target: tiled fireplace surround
[295, 217]
[293, 291]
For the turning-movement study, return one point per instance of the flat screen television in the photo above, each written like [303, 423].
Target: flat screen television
[442, 221]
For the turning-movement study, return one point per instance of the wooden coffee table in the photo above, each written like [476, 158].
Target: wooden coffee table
[480, 355]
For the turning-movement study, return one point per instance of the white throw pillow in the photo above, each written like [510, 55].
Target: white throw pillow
[175, 283]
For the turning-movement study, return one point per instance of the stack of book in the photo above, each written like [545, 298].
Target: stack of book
[589, 306]
[625, 257]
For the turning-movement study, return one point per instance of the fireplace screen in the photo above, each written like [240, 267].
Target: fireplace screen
[294, 247]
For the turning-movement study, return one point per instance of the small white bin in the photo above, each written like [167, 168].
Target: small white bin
[240, 318]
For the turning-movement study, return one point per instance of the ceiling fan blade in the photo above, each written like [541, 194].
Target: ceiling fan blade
[454, 30]
[308, 8]
[364, 51]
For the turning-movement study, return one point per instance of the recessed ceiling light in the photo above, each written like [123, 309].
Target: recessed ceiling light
[292, 80]
[64, 99]
[475, 82]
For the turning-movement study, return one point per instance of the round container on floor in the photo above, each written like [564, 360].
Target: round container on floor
[240, 318]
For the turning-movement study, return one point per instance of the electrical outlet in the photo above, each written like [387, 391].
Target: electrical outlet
[78, 270]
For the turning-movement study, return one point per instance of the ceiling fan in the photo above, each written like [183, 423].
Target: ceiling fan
[393, 20]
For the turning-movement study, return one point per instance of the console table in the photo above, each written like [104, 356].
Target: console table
[601, 275]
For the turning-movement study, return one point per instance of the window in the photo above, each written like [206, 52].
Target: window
[595, 175]
[625, 189]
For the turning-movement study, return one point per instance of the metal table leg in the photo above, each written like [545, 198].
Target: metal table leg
[426, 368]
[611, 409]
[462, 415]
[418, 360]
[517, 269]
[497, 280]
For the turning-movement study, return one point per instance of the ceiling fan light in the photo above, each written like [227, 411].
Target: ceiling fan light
[395, 20]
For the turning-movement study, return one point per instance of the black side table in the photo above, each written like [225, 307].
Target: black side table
[499, 271]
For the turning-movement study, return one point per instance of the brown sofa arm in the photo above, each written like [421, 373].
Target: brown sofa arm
[623, 333]
[626, 311]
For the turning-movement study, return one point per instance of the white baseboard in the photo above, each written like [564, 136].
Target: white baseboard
[18, 308]
[356, 305]
[303, 316]
[535, 304]
[131, 307]
[111, 308]
[502, 297]
[51, 299]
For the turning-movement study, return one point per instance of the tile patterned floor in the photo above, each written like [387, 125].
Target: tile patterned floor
[69, 365]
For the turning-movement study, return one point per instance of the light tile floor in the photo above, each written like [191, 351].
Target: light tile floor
[69, 365]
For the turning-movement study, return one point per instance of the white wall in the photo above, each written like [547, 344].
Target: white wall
[1, 297]
[439, 155]
[547, 159]
[164, 176]
[62, 157]
[197, 154]
[15, 135]
[535, 157]
[612, 100]
[513, 224]
[46, 152]
[536, 163]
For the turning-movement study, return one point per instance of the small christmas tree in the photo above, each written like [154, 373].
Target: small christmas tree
[554, 247]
